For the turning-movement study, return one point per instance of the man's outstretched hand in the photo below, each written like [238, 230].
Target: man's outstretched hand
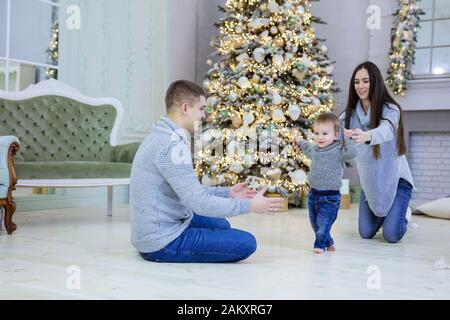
[261, 204]
[241, 191]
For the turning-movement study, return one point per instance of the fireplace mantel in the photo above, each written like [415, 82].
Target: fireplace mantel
[426, 95]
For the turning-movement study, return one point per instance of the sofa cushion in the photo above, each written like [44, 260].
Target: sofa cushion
[72, 170]
[55, 128]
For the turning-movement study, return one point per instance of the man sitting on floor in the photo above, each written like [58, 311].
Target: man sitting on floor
[174, 218]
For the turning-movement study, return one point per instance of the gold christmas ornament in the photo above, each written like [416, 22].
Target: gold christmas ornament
[299, 75]
[256, 78]
[236, 122]
[279, 42]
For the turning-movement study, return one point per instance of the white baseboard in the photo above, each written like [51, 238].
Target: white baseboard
[71, 198]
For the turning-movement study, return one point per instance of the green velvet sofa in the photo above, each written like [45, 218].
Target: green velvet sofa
[66, 139]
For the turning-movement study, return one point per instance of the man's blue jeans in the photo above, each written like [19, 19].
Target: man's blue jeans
[206, 240]
[323, 209]
[394, 224]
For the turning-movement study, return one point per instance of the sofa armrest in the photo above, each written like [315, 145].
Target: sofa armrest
[9, 145]
[125, 153]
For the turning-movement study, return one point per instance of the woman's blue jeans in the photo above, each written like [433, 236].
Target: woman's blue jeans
[206, 240]
[394, 224]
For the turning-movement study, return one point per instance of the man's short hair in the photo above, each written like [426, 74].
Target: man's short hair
[328, 117]
[181, 91]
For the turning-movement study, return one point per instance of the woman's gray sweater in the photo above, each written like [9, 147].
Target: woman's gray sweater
[379, 177]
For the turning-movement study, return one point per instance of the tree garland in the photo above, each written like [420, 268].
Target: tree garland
[53, 51]
[404, 38]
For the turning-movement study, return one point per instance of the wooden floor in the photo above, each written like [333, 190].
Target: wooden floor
[35, 260]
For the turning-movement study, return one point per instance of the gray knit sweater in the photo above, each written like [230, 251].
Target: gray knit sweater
[327, 164]
[379, 177]
[164, 191]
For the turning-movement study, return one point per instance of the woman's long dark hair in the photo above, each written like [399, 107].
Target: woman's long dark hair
[378, 96]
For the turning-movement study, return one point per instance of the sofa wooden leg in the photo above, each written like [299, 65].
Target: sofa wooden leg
[10, 208]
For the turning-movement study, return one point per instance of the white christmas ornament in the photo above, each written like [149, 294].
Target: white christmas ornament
[259, 54]
[329, 69]
[316, 102]
[206, 137]
[249, 160]
[221, 178]
[276, 98]
[208, 181]
[288, 5]
[233, 97]
[278, 60]
[273, 7]
[212, 101]
[248, 118]
[265, 22]
[255, 24]
[278, 115]
[298, 176]
[274, 30]
[216, 133]
[242, 57]
[274, 174]
[294, 112]
[243, 83]
[237, 167]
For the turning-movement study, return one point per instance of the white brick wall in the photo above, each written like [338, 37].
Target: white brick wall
[429, 159]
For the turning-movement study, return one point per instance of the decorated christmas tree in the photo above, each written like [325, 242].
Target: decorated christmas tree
[269, 79]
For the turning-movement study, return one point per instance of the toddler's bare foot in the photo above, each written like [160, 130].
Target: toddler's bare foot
[331, 248]
[318, 251]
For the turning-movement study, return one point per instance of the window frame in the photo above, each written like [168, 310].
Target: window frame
[7, 59]
[431, 47]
